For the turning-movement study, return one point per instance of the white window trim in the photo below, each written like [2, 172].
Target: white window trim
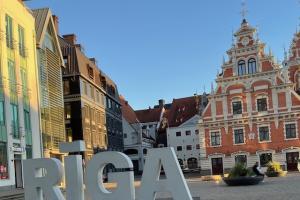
[240, 154]
[233, 135]
[284, 130]
[261, 96]
[258, 153]
[246, 59]
[237, 99]
[258, 135]
[213, 131]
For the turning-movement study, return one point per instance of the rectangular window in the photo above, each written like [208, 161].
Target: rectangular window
[265, 158]
[189, 147]
[179, 148]
[68, 111]
[21, 41]
[97, 96]
[2, 114]
[197, 146]
[92, 92]
[215, 139]
[3, 161]
[290, 131]
[187, 133]
[241, 159]
[28, 151]
[14, 120]
[239, 136]
[90, 72]
[125, 135]
[262, 105]
[197, 132]
[178, 134]
[9, 31]
[27, 121]
[66, 87]
[264, 134]
[85, 88]
[237, 107]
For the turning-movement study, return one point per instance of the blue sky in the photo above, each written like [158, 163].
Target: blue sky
[168, 49]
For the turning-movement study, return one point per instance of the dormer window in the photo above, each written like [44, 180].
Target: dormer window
[252, 66]
[90, 72]
[242, 68]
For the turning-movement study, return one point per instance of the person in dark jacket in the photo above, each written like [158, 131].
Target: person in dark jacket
[256, 170]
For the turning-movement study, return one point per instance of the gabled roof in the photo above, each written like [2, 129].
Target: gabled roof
[182, 110]
[149, 115]
[43, 19]
[127, 111]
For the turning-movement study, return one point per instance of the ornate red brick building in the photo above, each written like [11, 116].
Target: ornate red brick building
[253, 113]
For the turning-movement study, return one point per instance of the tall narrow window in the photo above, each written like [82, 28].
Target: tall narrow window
[237, 107]
[239, 136]
[290, 131]
[241, 68]
[262, 105]
[3, 161]
[9, 31]
[14, 120]
[215, 139]
[252, 66]
[3, 135]
[264, 135]
[21, 41]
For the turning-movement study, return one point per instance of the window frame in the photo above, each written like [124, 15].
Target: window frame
[241, 68]
[232, 106]
[257, 104]
[179, 148]
[269, 132]
[189, 147]
[220, 138]
[296, 130]
[266, 153]
[188, 133]
[234, 136]
[252, 64]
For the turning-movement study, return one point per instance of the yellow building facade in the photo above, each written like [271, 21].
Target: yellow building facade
[19, 100]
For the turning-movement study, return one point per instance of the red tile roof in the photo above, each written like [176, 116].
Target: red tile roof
[182, 110]
[127, 111]
[149, 115]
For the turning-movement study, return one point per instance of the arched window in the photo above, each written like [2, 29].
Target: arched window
[252, 66]
[241, 67]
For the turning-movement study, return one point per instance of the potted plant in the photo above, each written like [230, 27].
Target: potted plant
[241, 175]
[274, 170]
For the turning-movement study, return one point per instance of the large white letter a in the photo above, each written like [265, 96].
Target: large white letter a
[174, 182]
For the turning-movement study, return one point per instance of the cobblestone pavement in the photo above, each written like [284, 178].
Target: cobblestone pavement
[283, 188]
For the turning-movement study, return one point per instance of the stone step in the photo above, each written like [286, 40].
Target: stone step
[13, 197]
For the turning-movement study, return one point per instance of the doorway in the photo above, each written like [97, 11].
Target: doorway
[292, 161]
[18, 171]
[217, 166]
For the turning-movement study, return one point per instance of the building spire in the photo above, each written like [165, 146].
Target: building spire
[244, 10]
[285, 52]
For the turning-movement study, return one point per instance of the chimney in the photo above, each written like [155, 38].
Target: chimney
[56, 23]
[161, 103]
[71, 38]
[93, 60]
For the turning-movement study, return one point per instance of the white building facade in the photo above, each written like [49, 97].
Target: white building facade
[185, 139]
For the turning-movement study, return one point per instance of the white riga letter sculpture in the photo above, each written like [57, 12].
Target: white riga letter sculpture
[38, 184]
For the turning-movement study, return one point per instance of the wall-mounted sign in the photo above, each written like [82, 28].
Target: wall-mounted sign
[38, 185]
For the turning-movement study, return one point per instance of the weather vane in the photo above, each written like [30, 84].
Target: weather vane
[244, 9]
